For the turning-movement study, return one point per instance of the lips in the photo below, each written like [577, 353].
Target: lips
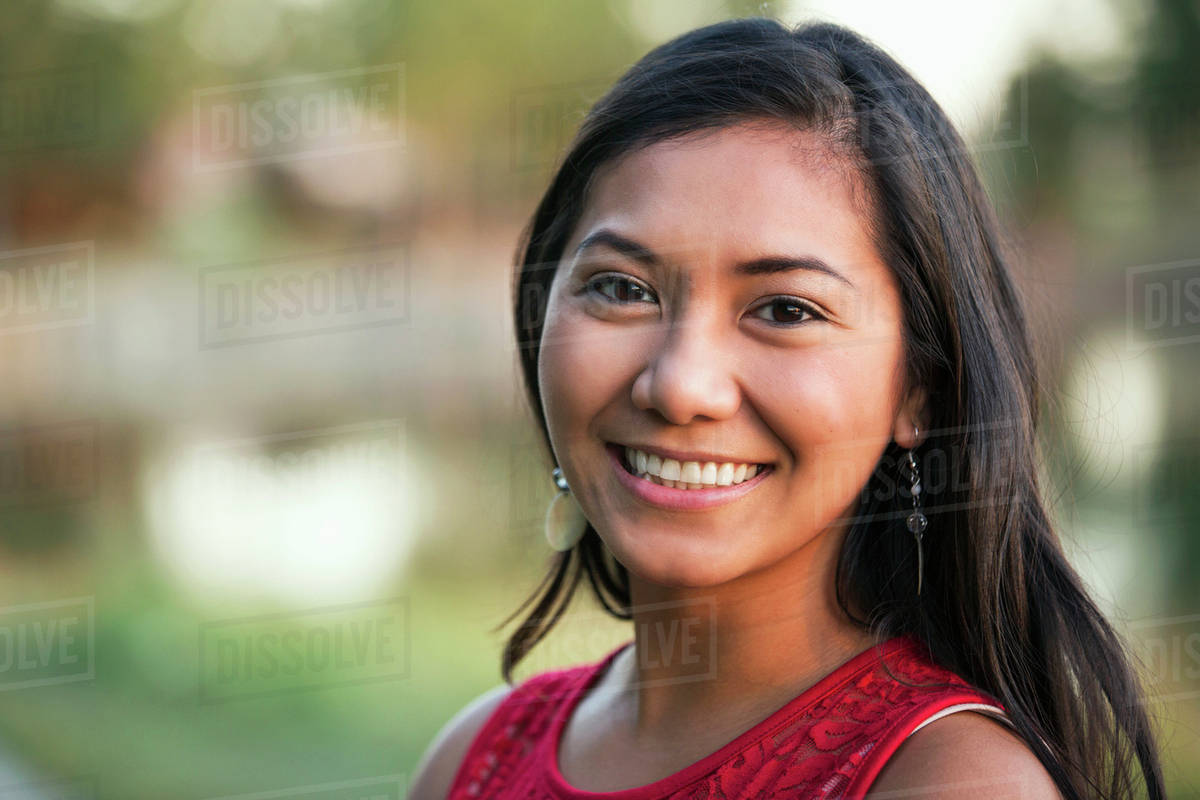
[689, 474]
[680, 499]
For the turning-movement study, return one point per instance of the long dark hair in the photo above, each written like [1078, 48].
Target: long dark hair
[1001, 606]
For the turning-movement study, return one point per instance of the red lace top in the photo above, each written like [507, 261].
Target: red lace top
[829, 742]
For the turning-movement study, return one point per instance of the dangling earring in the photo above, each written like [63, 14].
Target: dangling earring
[916, 521]
[565, 522]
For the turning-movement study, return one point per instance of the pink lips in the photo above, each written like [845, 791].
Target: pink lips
[680, 499]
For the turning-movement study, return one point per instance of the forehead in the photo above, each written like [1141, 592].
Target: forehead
[744, 187]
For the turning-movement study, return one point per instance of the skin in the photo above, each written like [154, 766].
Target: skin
[686, 354]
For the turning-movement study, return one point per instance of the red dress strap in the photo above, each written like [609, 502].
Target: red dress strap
[831, 741]
[511, 733]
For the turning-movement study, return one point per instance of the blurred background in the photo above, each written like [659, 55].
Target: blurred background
[267, 480]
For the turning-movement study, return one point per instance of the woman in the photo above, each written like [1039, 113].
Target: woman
[775, 349]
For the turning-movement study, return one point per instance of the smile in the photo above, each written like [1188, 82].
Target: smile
[697, 485]
[689, 475]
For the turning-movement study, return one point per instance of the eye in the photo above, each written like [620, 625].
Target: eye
[620, 289]
[787, 311]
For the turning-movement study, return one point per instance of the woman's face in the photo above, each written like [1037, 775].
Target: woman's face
[721, 301]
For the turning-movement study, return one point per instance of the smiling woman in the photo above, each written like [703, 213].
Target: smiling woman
[783, 371]
[710, 358]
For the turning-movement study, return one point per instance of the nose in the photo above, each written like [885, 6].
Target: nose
[687, 376]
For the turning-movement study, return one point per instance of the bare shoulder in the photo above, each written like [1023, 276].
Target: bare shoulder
[436, 769]
[964, 755]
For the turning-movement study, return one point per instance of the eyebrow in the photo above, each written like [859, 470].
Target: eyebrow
[766, 265]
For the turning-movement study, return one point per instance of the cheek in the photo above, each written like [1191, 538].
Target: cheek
[579, 371]
[839, 395]
[562, 377]
[836, 422]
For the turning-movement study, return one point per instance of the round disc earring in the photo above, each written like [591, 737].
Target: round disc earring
[565, 521]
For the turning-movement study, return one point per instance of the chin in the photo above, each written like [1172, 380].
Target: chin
[690, 566]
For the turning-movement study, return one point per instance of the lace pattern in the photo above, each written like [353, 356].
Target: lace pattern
[829, 742]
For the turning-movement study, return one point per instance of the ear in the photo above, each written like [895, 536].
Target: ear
[913, 414]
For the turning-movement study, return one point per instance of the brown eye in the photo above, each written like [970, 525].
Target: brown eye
[620, 289]
[787, 311]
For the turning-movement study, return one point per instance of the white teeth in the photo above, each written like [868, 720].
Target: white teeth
[670, 470]
[725, 474]
[688, 474]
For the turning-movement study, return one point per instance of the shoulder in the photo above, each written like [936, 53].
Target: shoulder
[964, 755]
[437, 767]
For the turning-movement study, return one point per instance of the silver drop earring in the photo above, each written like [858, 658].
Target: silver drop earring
[916, 521]
[565, 522]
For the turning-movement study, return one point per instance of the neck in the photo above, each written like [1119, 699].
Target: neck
[738, 651]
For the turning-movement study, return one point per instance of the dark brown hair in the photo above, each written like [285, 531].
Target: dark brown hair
[1001, 606]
